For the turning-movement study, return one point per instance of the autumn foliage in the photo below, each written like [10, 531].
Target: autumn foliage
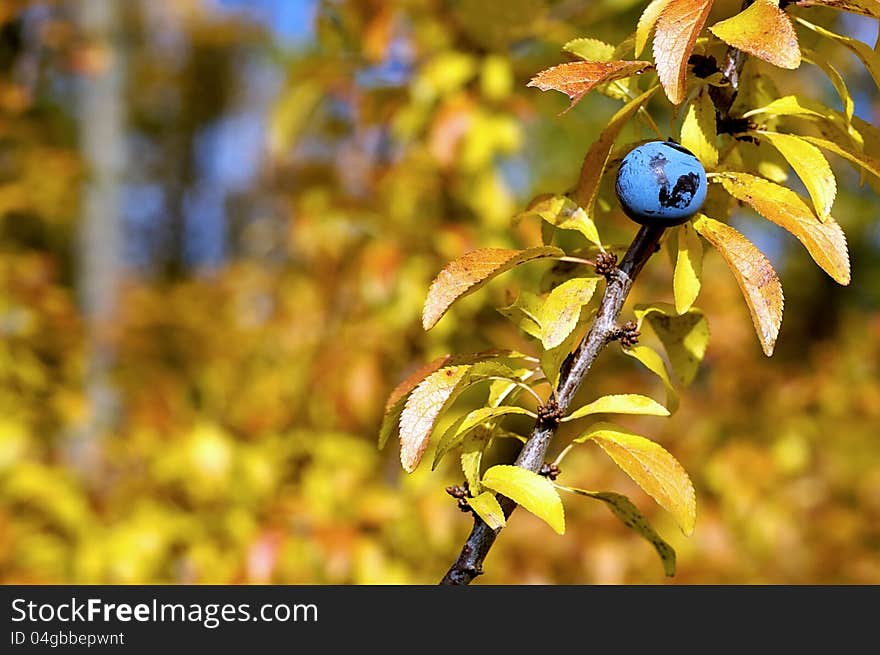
[763, 30]
[381, 225]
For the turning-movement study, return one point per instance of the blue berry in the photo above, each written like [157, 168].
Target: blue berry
[661, 183]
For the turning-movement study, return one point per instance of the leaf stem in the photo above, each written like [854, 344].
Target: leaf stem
[521, 385]
[643, 111]
[576, 260]
[563, 454]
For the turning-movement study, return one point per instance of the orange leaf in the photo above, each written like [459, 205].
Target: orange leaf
[578, 78]
[470, 272]
[677, 31]
[754, 274]
[410, 383]
[763, 30]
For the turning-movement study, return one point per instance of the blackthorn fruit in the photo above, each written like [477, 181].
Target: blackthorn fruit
[661, 184]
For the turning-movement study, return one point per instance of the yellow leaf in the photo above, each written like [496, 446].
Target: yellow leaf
[646, 24]
[652, 467]
[793, 106]
[825, 242]
[423, 408]
[836, 79]
[865, 161]
[698, 130]
[590, 49]
[291, 114]
[864, 7]
[624, 509]
[597, 156]
[685, 337]
[562, 212]
[472, 458]
[688, 268]
[654, 363]
[870, 57]
[754, 274]
[811, 166]
[578, 78]
[470, 272]
[629, 403]
[467, 424]
[763, 30]
[501, 389]
[530, 490]
[678, 27]
[487, 508]
[562, 309]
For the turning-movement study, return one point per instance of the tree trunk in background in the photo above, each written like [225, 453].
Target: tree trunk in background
[101, 117]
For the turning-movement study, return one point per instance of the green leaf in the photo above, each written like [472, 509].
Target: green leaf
[629, 403]
[810, 165]
[561, 311]
[462, 428]
[624, 509]
[533, 492]
[698, 130]
[654, 363]
[564, 213]
[688, 268]
[685, 337]
[487, 508]
[870, 58]
[471, 272]
[650, 466]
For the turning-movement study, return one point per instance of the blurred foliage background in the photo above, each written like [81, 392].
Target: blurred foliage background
[218, 222]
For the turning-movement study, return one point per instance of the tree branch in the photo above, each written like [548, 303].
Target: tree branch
[470, 560]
